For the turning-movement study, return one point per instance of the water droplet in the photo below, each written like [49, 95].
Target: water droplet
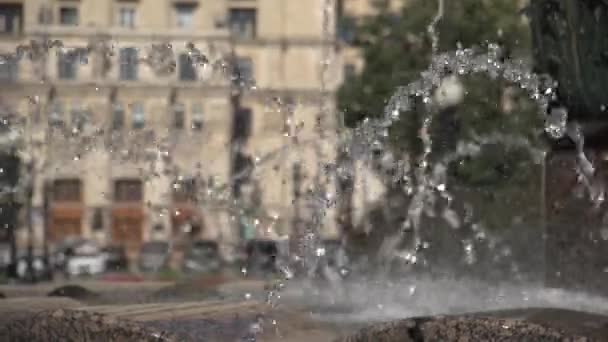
[556, 123]
[451, 217]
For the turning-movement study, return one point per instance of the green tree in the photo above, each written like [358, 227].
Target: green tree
[396, 48]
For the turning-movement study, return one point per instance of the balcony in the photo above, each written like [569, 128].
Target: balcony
[169, 34]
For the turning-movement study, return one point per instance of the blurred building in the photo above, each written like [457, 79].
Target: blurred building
[349, 14]
[132, 110]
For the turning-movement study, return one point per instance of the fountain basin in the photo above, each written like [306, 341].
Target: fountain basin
[510, 325]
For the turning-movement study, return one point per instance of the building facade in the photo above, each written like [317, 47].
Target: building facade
[138, 115]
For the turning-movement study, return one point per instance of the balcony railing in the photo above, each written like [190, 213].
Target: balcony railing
[58, 31]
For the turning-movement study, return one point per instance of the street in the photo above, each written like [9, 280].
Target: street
[237, 310]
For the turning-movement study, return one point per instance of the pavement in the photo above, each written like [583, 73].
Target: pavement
[34, 305]
[114, 291]
[181, 321]
[198, 309]
[227, 315]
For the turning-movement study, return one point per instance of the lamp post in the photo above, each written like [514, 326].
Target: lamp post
[9, 205]
[45, 229]
[29, 195]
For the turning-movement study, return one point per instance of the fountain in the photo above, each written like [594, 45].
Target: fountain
[566, 123]
[566, 109]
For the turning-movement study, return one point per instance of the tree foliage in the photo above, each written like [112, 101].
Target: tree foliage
[396, 48]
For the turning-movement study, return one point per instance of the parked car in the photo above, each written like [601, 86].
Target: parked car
[262, 256]
[41, 270]
[64, 250]
[203, 256]
[116, 258]
[154, 256]
[85, 258]
[86, 264]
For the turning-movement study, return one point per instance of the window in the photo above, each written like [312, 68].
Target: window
[138, 116]
[187, 71]
[197, 116]
[68, 15]
[67, 190]
[346, 29]
[244, 70]
[128, 190]
[66, 66]
[128, 64]
[79, 116]
[288, 122]
[45, 15]
[97, 221]
[349, 71]
[241, 126]
[9, 70]
[179, 116]
[34, 111]
[184, 190]
[126, 17]
[56, 114]
[118, 117]
[11, 18]
[184, 15]
[243, 22]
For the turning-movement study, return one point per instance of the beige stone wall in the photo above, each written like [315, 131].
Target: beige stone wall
[360, 8]
[287, 54]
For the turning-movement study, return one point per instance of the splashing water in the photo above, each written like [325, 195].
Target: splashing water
[366, 139]
[373, 133]
[377, 301]
[585, 169]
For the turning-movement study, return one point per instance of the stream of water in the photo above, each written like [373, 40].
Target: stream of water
[428, 188]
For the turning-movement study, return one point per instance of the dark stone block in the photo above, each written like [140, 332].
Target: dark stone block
[576, 231]
[67, 325]
[74, 292]
[513, 325]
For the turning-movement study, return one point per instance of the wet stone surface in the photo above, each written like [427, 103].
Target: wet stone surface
[68, 325]
[467, 329]
[240, 321]
[237, 329]
[74, 292]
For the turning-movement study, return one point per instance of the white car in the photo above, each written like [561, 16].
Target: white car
[5, 256]
[87, 259]
[86, 264]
